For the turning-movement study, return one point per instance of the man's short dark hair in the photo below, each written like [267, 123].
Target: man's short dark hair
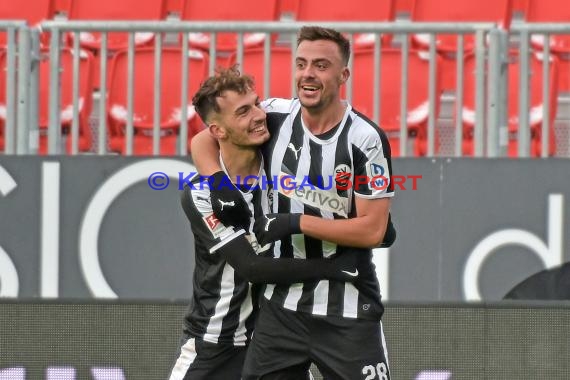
[315, 33]
[225, 79]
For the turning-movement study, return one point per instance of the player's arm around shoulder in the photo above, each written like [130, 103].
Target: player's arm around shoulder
[205, 152]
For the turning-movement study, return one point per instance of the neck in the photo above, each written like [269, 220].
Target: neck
[319, 121]
[240, 162]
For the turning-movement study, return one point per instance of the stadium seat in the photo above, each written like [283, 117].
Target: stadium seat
[520, 7]
[66, 98]
[391, 73]
[497, 11]
[563, 76]
[21, 10]
[358, 10]
[143, 108]
[288, 7]
[229, 10]
[116, 10]
[253, 64]
[535, 100]
[550, 11]
[86, 65]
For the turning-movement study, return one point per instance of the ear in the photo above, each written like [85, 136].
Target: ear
[217, 131]
[345, 74]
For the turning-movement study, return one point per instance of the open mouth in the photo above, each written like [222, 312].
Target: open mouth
[260, 129]
[310, 88]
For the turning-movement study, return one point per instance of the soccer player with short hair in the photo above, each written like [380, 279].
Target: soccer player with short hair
[219, 321]
[334, 324]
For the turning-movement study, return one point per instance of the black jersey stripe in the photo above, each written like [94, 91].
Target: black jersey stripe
[313, 247]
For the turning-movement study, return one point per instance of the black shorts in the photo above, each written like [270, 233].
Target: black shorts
[341, 348]
[200, 360]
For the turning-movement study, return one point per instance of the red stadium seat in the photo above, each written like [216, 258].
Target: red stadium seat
[520, 7]
[116, 10]
[391, 74]
[66, 98]
[143, 109]
[498, 11]
[288, 7]
[535, 100]
[563, 76]
[86, 65]
[253, 64]
[550, 11]
[21, 10]
[357, 10]
[229, 10]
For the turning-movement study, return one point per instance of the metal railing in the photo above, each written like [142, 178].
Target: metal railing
[524, 32]
[16, 32]
[490, 125]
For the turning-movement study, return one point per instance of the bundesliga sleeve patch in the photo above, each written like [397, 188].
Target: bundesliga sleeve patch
[216, 227]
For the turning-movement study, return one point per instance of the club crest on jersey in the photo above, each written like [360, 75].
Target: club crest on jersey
[342, 175]
[378, 171]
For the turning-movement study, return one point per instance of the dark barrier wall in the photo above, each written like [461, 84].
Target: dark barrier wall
[92, 227]
[135, 341]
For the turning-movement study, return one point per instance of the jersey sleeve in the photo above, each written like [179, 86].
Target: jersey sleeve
[373, 167]
[207, 229]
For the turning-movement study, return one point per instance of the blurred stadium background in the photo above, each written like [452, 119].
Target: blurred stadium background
[95, 266]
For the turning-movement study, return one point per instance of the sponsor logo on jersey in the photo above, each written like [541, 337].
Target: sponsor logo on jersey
[327, 200]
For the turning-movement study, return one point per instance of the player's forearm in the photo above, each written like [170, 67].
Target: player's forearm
[363, 232]
[205, 153]
[268, 270]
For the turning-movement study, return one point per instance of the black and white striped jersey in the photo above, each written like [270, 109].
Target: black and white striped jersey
[222, 307]
[306, 170]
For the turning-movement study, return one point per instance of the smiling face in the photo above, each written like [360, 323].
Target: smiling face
[241, 121]
[319, 73]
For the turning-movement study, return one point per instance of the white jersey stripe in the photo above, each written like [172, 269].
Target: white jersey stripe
[222, 306]
[350, 309]
[245, 311]
[321, 300]
[293, 297]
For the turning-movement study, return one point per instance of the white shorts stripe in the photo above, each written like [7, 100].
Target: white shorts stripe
[184, 361]
[384, 346]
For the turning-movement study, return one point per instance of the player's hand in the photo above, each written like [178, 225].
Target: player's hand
[345, 266]
[227, 202]
[272, 227]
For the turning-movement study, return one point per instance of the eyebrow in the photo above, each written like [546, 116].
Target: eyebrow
[245, 107]
[242, 109]
[316, 60]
